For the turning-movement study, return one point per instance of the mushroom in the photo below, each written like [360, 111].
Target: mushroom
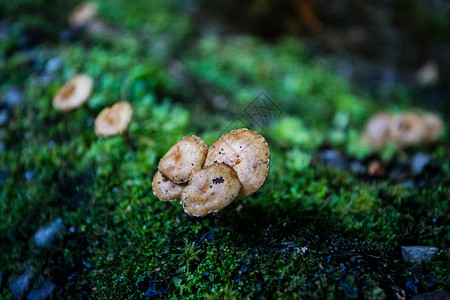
[377, 131]
[113, 120]
[408, 129]
[165, 189]
[248, 153]
[434, 127]
[74, 93]
[210, 190]
[183, 158]
[83, 14]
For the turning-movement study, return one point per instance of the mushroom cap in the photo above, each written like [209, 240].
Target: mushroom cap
[378, 130]
[408, 129]
[248, 153]
[434, 126]
[83, 14]
[165, 189]
[113, 120]
[183, 158]
[210, 189]
[73, 93]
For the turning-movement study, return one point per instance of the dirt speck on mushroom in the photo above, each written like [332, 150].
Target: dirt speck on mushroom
[202, 196]
[248, 153]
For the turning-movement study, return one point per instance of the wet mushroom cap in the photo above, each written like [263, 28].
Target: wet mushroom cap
[113, 120]
[165, 189]
[378, 130]
[73, 93]
[83, 14]
[248, 153]
[210, 190]
[183, 158]
[408, 129]
[434, 127]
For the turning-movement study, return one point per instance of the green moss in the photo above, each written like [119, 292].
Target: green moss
[310, 229]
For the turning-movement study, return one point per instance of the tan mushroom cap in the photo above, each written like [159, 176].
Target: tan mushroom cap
[183, 158]
[248, 153]
[210, 189]
[83, 14]
[434, 127]
[73, 93]
[165, 189]
[377, 131]
[408, 129]
[113, 120]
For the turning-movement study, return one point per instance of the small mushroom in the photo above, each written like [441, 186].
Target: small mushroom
[74, 93]
[210, 190]
[377, 131]
[83, 14]
[113, 120]
[165, 189]
[183, 158]
[248, 153]
[433, 127]
[408, 129]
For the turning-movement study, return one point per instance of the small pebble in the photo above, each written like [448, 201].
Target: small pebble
[20, 286]
[42, 293]
[419, 254]
[13, 97]
[45, 235]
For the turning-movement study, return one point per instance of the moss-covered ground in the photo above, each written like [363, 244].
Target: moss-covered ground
[312, 231]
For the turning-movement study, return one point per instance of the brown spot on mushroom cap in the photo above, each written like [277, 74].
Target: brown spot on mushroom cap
[204, 195]
[248, 153]
[83, 14]
[377, 131]
[73, 93]
[433, 127]
[165, 189]
[408, 129]
[183, 158]
[113, 120]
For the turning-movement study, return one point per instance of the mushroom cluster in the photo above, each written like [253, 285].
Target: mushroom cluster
[405, 129]
[207, 180]
[110, 121]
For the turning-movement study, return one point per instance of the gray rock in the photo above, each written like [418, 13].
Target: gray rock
[13, 97]
[44, 292]
[3, 116]
[419, 253]
[20, 286]
[436, 295]
[53, 65]
[419, 161]
[45, 235]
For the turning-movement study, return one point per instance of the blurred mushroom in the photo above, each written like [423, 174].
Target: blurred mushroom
[433, 127]
[376, 169]
[183, 158]
[377, 131]
[74, 93]
[248, 153]
[83, 14]
[210, 190]
[113, 120]
[165, 189]
[408, 129]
